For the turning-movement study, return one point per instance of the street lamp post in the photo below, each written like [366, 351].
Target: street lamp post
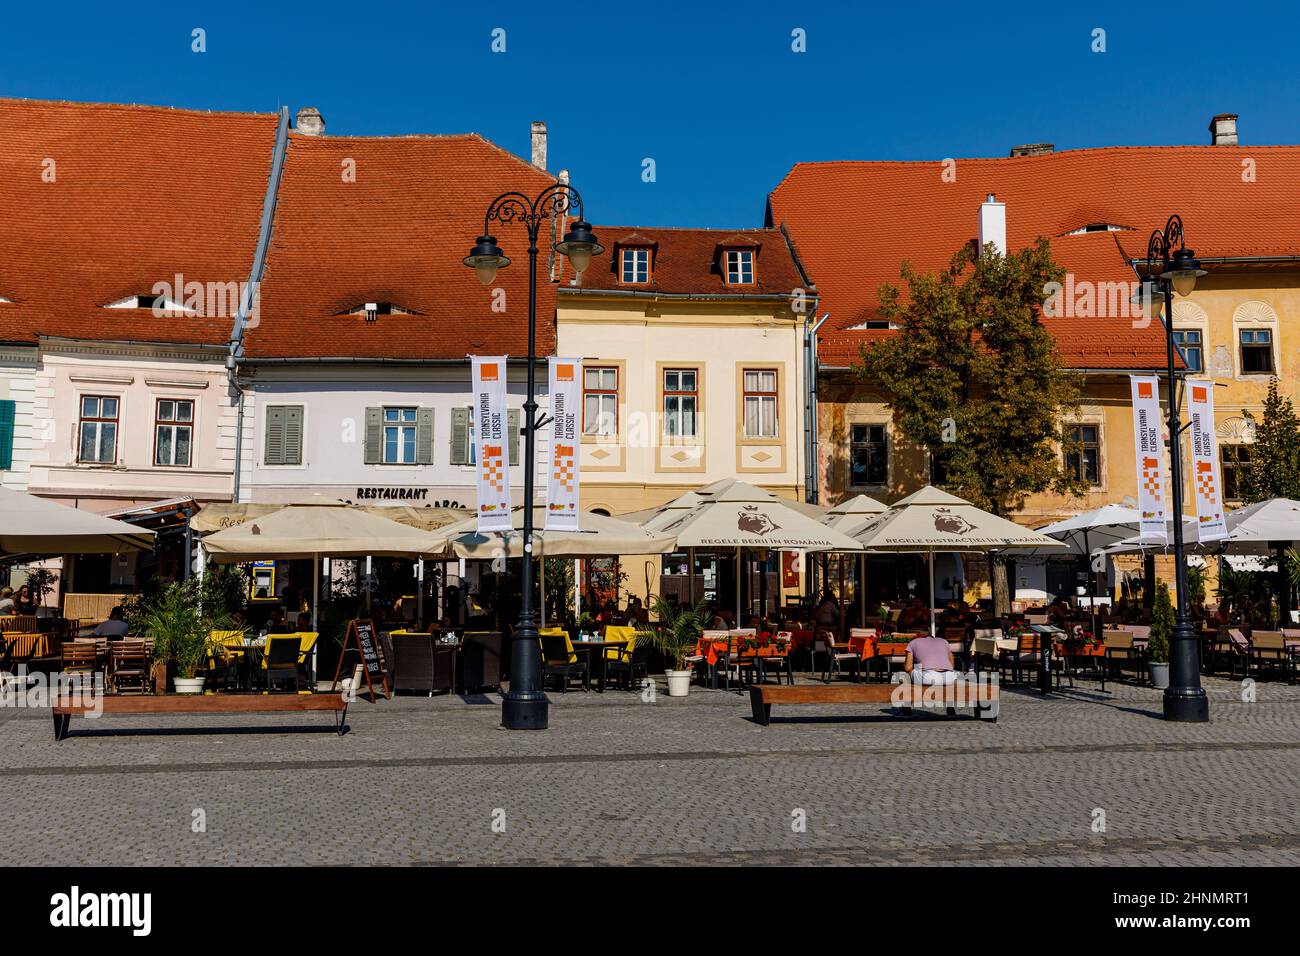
[1176, 268]
[525, 706]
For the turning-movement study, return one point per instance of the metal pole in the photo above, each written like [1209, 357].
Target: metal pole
[1185, 699]
[525, 706]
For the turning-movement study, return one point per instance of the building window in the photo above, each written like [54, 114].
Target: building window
[681, 402]
[1256, 351]
[399, 436]
[870, 455]
[98, 429]
[283, 435]
[600, 402]
[740, 267]
[1083, 463]
[463, 449]
[939, 468]
[759, 398]
[1189, 345]
[173, 432]
[635, 266]
[1233, 461]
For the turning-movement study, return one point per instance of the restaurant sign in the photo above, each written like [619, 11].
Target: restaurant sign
[392, 494]
[1150, 457]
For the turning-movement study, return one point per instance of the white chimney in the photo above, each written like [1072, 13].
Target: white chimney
[539, 144]
[1223, 130]
[993, 224]
[310, 122]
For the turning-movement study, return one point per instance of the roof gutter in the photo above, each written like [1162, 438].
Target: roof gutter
[252, 289]
[679, 296]
[362, 360]
[810, 370]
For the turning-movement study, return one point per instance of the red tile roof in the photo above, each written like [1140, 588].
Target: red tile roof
[396, 234]
[685, 261]
[139, 194]
[853, 223]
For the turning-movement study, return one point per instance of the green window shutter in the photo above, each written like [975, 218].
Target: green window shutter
[374, 436]
[8, 411]
[512, 427]
[460, 436]
[293, 434]
[274, 454]
[424, 436]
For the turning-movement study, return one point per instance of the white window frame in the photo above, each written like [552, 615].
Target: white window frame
[760, 397]
[639, 261]
[400, 427]
[740, 262]
[677, 396]
[174, 425]
[99, 420]
[606, 424]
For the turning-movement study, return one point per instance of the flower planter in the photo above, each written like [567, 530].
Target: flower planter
[679, 683]
[1159, 675]
[189, 685]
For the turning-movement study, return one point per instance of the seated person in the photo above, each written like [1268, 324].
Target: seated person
[275, 623]
[7, 600]
[1222, 615]
[115, 627]
[304, 622]
[915, 617]
[1058, 615]
[929, 661]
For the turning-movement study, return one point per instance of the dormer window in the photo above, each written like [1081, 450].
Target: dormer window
[634, 266]
[158, 303]
[740, 266]
[3, 300]
[371, 311]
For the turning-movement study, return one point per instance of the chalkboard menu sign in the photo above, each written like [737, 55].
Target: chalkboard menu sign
[362, 640]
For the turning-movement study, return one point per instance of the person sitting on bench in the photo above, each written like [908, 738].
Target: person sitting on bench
[929, 661]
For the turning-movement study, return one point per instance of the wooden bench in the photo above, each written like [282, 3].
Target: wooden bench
[984, 697]
[67, 708]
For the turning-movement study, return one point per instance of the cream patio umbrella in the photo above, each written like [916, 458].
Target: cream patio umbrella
[736, 515]
[219, 515]
[318, 530]
[32, 525]
[851, 516]
[931, 520]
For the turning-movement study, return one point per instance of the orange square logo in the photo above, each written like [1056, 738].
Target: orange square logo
[564, 373]
[1144, 389]
[1199, 393]
[488, 371]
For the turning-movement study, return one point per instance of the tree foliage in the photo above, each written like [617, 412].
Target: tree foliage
[1162, 625]
[973, 374]
[1274, 467]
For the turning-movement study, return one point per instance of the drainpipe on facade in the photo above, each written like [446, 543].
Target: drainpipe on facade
[252, 290]
[810, 428]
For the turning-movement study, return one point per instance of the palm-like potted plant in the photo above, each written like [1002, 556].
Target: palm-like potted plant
[1162, 629]
[181, 632]
[676, 633]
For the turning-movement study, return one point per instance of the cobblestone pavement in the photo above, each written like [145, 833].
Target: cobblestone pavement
[617, 780]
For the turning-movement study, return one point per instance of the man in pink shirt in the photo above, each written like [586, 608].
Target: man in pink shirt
[929, 661]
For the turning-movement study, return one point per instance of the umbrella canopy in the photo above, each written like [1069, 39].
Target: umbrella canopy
[326, 529]
[600, 536]
[933, 520]
[1253, 529]
[217, 516]
[852, 515]
[32, 525]
[738, 515]
[1098, 528]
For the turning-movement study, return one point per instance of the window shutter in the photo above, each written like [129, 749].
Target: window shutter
[293, 434]
[424, 436]
[374, 436]
[275, 435]
[460, 436]
[512, 428]
[8, 411]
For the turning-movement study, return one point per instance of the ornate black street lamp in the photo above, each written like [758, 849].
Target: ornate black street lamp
[1174, 268]
[525, 706]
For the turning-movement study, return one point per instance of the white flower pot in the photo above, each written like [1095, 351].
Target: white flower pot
[679, 683]
[189, 685]
[1159, 675]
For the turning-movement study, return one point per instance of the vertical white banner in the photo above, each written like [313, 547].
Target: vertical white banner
[491, 442]
[1149, 453]
[1207, 488]
[562, 508]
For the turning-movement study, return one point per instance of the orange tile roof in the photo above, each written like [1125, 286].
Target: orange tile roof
[396, 234]
[685, 261]
[139, 194]
[853, 223]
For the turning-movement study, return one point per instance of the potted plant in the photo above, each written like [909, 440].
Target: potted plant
[676, 633]
[1162, 629]
[181, 632]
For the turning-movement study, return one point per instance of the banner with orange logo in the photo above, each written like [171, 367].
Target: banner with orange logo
[491, 442]
[1150, 455]
[1207, 486]
[562, 508]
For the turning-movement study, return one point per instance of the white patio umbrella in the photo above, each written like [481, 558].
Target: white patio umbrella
[931, 520]
[600, 536]
[32, 525]
[851, 516]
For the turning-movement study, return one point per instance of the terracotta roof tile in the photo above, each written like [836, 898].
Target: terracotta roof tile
[853, 223]
[686, 261]
[396, 234]
[139, 194]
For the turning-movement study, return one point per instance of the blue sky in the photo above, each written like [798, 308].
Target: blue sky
[711, 91]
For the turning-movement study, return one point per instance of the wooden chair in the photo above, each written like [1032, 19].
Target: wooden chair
[78, 659]
[24, 623]
[1120, 653]
[1026, 655]
[1268, 650]
[722, 651]
[128, 666]
[1233, 646]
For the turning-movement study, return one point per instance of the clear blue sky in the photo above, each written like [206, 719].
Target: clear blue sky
[711, 91]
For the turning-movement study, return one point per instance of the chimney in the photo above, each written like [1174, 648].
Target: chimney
[310, 122]
[539, 144]
[1223, 130]
[993, 224]
[1032, 149]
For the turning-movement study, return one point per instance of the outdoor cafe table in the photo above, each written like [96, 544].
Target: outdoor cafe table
[588, 648]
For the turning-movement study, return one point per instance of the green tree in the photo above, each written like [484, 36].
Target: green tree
[1274, 469]
[1162, 625]
[974, 377]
